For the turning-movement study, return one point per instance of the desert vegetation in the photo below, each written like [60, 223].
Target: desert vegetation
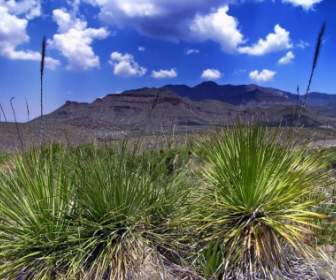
[238, 204]
[243, 202]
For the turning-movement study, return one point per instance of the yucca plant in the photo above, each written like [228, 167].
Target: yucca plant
[327, 231]
[123, 214]
[36, 199]
[254, 210]
[3, 157]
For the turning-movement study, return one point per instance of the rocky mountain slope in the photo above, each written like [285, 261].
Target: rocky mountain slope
[205, 105]
[179, 108]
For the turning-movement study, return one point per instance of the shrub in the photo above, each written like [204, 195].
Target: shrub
[36, 198]
[124, 209]
[254, 209]
[87, 212]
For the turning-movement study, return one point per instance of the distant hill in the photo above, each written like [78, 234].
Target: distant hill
[205, 105]
[232, 94]
[241, 94]
[179, 108]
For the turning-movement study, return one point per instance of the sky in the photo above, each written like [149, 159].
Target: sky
[97, 47]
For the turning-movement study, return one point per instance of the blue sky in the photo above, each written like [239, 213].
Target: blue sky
[96, 47]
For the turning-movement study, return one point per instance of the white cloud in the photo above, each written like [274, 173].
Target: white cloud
[175, 20]
[219, 27]
[124, 65]
[211, 74]
[29, 55]
[163, 74]
[141, 49]
[27, 8]
[12, 29]
[52, 63]
[302, 44]
[74, 40]
[276, 41]
[192, 51]
[305, 4]
[287, 58]
[262, 76]
[13, 34]
[142, 8]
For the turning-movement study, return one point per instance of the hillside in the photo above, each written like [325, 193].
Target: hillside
[177, 108]
[205, 105]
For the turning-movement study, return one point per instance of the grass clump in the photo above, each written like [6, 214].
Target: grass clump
[240, 205]
[3, 157]
[88, 213]
[255, 208]
[36, 198]
[124, 213]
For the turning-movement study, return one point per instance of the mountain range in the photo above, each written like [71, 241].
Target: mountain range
[205, 105]
[180, 108]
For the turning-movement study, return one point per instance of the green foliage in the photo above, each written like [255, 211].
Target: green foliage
[3, 157]
[104, 212]
[327, 229]
[124, 210]
[256, 201]
[35, 200]
[86, 212]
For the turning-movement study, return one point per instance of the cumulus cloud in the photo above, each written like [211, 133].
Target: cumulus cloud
[51, 63]
[13, 34]
[164, 74]
[305, 4]
[262, 76]
[175, 20]
[302, 44]
[211, 74]
[124, 65]
[218, 26]
[27, 8]
[276, 41]
[189, 21]
[287, 58]
[192, 51]
[74, 40]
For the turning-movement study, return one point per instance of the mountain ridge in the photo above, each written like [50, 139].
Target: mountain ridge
[207, 104]
[173, 108]
[201, 92]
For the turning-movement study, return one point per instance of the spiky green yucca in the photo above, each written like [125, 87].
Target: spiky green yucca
[36, 197]
[124, 208]
[87, 213]
[255, 207]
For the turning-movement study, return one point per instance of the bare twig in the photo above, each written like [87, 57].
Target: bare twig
[42, 67]
[297, 105]
[3, 112]
[315, 59]
[16, 123]
[28, 111]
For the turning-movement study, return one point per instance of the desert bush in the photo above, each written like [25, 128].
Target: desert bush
[327, 230]
[3, 157]
[124, 211]
[87, 212]
[36, 198]
[254, 209]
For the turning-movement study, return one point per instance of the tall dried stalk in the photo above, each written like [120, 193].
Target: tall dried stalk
[16, 124]
[28, 111]
[297, 105]
[42, 67]
[317, 52]
[3, 112]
